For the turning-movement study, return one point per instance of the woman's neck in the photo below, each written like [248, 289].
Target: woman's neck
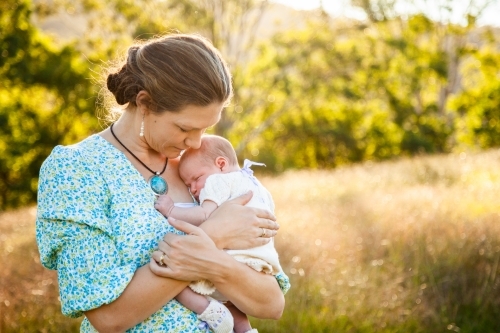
[127, 129]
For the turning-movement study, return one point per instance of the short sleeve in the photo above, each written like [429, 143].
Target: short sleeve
[283, 281]
[217, 189]
[74, 235]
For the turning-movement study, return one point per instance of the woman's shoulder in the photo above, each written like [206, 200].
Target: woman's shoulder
[87, 146]
[91, 150]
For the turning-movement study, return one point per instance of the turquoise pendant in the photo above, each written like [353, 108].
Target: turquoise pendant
[158, 185]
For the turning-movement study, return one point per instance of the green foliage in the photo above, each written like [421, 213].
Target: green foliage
[354, 92]
[46, 98]
[329, 94]
[479, 101]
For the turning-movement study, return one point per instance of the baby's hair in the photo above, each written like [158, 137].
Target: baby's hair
[213, 146]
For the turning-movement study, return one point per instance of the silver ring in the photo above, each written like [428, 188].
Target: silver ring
[161, 260]
[263, 234]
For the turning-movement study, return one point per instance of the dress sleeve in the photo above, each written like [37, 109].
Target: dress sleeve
[283, 281]
[217, 189]
[74, 234]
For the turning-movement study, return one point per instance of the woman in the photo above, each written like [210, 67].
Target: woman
[96, 223]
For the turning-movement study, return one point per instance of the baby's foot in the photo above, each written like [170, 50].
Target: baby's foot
[253, 330]
[218, 317]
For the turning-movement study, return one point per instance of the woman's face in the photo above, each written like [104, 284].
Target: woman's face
[169, 133]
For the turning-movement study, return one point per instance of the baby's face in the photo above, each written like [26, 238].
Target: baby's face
[194, 171]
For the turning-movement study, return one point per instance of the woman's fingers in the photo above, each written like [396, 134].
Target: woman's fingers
[259, 241]
[187, 257]
[234, 226]
[242, 199]
[187, 228]
[264, 214]
[160, 257]
[267, 224]
[164, 271]
[267, 233]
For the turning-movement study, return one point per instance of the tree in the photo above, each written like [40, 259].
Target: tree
[46, 99]
[340, 93]
[231, 25]
[477, 105]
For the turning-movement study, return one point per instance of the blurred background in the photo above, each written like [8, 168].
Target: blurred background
[379, 122]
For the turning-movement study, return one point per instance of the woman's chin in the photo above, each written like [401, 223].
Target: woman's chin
[174, 153]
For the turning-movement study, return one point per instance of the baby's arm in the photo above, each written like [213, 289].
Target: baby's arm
[194, 215]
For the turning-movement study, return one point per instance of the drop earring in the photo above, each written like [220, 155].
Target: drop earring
[142, 127]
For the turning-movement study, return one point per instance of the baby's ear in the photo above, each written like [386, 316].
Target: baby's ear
[221, 162]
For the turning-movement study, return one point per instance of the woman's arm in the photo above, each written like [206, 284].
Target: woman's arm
[144, 295]
[194, 256]
[141, 297]
[254, 293]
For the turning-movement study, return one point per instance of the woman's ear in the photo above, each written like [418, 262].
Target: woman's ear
[144, 102]
[221, 163]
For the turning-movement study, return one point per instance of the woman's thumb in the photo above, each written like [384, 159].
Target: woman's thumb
[243, 199]
[183, 226]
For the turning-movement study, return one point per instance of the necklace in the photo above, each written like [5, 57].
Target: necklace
[157, 183]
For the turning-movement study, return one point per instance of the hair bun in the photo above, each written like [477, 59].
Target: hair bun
[114, 83]
[111, 82]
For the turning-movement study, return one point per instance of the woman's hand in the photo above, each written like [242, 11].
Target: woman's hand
[235, 226]
[187, 257]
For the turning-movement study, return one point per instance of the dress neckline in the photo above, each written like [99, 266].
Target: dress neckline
[119, 154]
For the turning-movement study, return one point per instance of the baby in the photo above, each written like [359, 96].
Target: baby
[213, 176]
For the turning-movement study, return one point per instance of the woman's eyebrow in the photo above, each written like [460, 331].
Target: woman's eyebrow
[189, 128]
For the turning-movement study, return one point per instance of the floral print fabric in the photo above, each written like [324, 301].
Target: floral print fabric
[96, 225]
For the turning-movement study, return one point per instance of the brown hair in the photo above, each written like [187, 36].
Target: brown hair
[213, 146]
[176, 70]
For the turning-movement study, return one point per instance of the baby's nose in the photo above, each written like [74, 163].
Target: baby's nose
[193, 190]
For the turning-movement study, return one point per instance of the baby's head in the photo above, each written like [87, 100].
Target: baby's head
[215, 155]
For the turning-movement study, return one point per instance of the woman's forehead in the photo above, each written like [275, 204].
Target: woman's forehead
[199, 117]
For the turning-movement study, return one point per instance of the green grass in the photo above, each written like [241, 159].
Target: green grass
[404, 246]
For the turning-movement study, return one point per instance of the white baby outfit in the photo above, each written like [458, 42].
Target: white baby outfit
[225, 186]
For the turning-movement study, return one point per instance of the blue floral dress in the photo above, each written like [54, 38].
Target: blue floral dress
[96, 225]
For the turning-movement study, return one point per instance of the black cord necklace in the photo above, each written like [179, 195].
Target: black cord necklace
[157, 183]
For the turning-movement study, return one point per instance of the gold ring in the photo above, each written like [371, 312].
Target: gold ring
[161, 260]
[263, 232]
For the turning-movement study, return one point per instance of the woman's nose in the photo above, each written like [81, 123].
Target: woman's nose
[194, 140]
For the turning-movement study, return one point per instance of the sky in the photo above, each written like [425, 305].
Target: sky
[491, 16]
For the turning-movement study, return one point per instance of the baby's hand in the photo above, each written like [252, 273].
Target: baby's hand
[164, 204]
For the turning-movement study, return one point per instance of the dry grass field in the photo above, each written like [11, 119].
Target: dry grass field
[403, 246]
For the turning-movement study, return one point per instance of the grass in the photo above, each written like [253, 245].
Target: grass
[28, 292]
[403, 246]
